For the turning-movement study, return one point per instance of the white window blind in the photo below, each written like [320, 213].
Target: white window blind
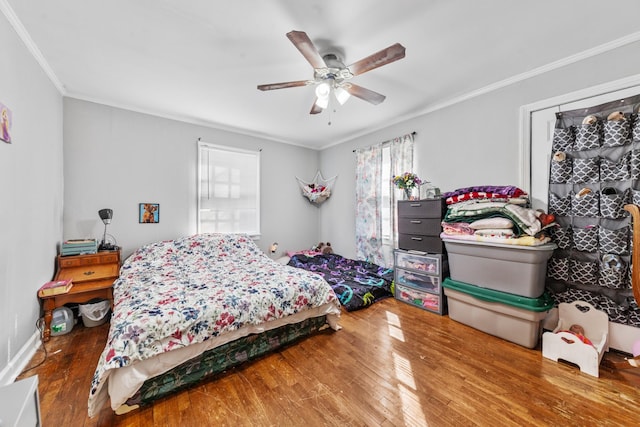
[228, 190]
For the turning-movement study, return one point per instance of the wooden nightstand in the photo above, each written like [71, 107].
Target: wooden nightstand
[93, 276]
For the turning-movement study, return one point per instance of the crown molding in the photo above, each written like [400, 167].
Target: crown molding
[11, 16]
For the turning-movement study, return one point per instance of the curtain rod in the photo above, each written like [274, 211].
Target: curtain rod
[414, 133]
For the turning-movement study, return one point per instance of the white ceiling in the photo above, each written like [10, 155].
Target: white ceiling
[201, 60]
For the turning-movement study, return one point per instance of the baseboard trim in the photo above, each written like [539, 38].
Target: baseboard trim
[16, 365]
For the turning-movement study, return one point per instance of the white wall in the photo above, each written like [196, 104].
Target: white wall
[475, 142]
[31, 193]
[116, 159]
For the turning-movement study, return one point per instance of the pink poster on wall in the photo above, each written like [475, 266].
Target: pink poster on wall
[5, 123]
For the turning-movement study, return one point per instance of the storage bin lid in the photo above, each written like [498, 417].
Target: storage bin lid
[543, 303]
[550, 246]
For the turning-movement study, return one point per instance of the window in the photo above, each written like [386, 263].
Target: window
[228, 190]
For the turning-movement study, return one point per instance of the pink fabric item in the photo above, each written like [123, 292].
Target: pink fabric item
[456, 228]
[307, 252]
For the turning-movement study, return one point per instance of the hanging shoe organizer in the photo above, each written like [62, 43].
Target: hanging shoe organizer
[594, 173]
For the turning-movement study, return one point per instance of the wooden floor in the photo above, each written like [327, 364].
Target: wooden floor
[390, 365]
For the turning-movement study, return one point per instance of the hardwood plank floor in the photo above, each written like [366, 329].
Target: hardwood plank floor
[390, 365]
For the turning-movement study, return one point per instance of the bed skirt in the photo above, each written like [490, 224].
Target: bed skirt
[219, 359]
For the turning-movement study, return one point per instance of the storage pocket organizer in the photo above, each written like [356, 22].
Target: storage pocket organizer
[562, 237]
[558, 268]
[635, 127]
[633, 318]
[635, 164]
[616, 133]
[586, 170]
[563, 139]
[613, 272]
[635, 197]
[561, 206]
[588, 136]
[574, 294]
[612, 203]
[561, 171]
[615, 313]
[585, 239]
[613, 241]
[587, 205]
[615, 171]
[583, 272]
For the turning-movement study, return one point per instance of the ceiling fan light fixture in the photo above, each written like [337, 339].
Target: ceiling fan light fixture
[323, 90]
[322, 102]
[331, 75]
[342, 95]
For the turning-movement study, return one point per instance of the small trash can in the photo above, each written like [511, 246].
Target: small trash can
[94, 314]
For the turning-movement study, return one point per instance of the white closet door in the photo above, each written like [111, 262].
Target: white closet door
[600, 99]
[542, 124]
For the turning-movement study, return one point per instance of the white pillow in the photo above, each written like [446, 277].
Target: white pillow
[497, 222]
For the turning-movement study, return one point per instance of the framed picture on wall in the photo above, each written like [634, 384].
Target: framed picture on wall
[149, 213]
[5, 123]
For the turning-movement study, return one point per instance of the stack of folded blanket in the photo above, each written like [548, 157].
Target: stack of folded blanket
[495, 213]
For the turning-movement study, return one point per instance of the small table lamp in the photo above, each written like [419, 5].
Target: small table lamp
[105, 216]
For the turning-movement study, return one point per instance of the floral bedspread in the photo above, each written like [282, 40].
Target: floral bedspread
[358, 284]
[175, 293]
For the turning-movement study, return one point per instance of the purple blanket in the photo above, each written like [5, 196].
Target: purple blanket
[357, 284]
[506, 190]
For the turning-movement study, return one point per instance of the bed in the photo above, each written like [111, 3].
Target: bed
[358, 284]
[189, 308]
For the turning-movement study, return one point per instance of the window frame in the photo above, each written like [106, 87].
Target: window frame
[209, 147]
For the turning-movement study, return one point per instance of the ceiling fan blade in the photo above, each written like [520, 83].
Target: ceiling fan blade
[306, 48]
[315, 109]
[378, 59]
[272, 86]
[365, 94]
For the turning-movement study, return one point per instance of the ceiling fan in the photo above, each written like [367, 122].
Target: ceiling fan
[331, 75]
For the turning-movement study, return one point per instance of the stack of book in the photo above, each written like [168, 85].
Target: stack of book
[55, 287]
[79, 247]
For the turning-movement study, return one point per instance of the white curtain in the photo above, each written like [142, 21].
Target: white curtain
[370, 202]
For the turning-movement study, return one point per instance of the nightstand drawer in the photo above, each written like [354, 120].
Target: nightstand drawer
[414, 242]
[99, 258]
[430, 264]
[414, 279]
[421, 299]
[428, 208]
[77, 262]
[423, 226]
[91, 272]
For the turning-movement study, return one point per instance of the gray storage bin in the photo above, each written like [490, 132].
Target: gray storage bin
[519, 270]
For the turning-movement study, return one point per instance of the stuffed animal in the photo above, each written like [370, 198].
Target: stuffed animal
[589, 120]
[324, 248]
